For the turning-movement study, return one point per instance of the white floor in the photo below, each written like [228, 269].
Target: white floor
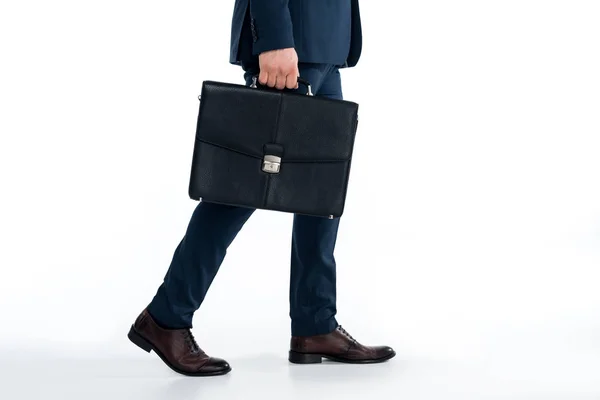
[521, 325]
[548, 364]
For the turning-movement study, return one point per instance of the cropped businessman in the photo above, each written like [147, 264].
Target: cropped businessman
[278, 40]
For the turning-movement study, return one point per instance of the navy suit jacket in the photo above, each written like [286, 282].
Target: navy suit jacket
[321, 31]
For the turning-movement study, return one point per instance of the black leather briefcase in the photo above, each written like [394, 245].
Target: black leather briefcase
[274, 150]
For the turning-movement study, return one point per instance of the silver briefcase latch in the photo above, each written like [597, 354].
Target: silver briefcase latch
[271, 164]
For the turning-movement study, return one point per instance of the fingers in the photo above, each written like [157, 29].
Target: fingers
[280, 82]
[296, 76]
[262, 78]
[279, 68]
[291, 81]
[271, 80]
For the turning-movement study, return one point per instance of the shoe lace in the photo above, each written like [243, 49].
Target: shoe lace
[345, 332]
[189, 339]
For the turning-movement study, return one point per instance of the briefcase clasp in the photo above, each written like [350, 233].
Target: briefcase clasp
[271, 164]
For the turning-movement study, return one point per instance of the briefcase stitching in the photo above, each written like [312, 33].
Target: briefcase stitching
[275, 136]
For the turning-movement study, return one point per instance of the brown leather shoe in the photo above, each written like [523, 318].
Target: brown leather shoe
[176, 347]
[336, 346]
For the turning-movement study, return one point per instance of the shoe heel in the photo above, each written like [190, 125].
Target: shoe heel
[138, 340]
[301, 358]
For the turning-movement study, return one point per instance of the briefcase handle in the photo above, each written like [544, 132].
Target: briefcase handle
[302, 81]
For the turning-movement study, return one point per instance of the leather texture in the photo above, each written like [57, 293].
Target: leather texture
[339, 346]
[238, 126]
[176, 347]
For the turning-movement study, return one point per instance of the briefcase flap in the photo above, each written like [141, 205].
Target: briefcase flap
[305, 128]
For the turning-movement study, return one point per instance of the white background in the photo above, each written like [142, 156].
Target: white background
[470, 243]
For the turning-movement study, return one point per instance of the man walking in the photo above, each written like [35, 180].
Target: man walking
[276, 40]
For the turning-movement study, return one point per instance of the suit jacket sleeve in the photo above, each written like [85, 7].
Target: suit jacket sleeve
[271, 25]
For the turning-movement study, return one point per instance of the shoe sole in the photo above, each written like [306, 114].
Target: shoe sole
[316, 358]
[145, 345]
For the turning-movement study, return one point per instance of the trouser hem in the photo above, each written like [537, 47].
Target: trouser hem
[312, 329]
[165, 323]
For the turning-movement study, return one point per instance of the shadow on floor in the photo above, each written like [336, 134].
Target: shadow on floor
[31, 374]
[28, 374]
